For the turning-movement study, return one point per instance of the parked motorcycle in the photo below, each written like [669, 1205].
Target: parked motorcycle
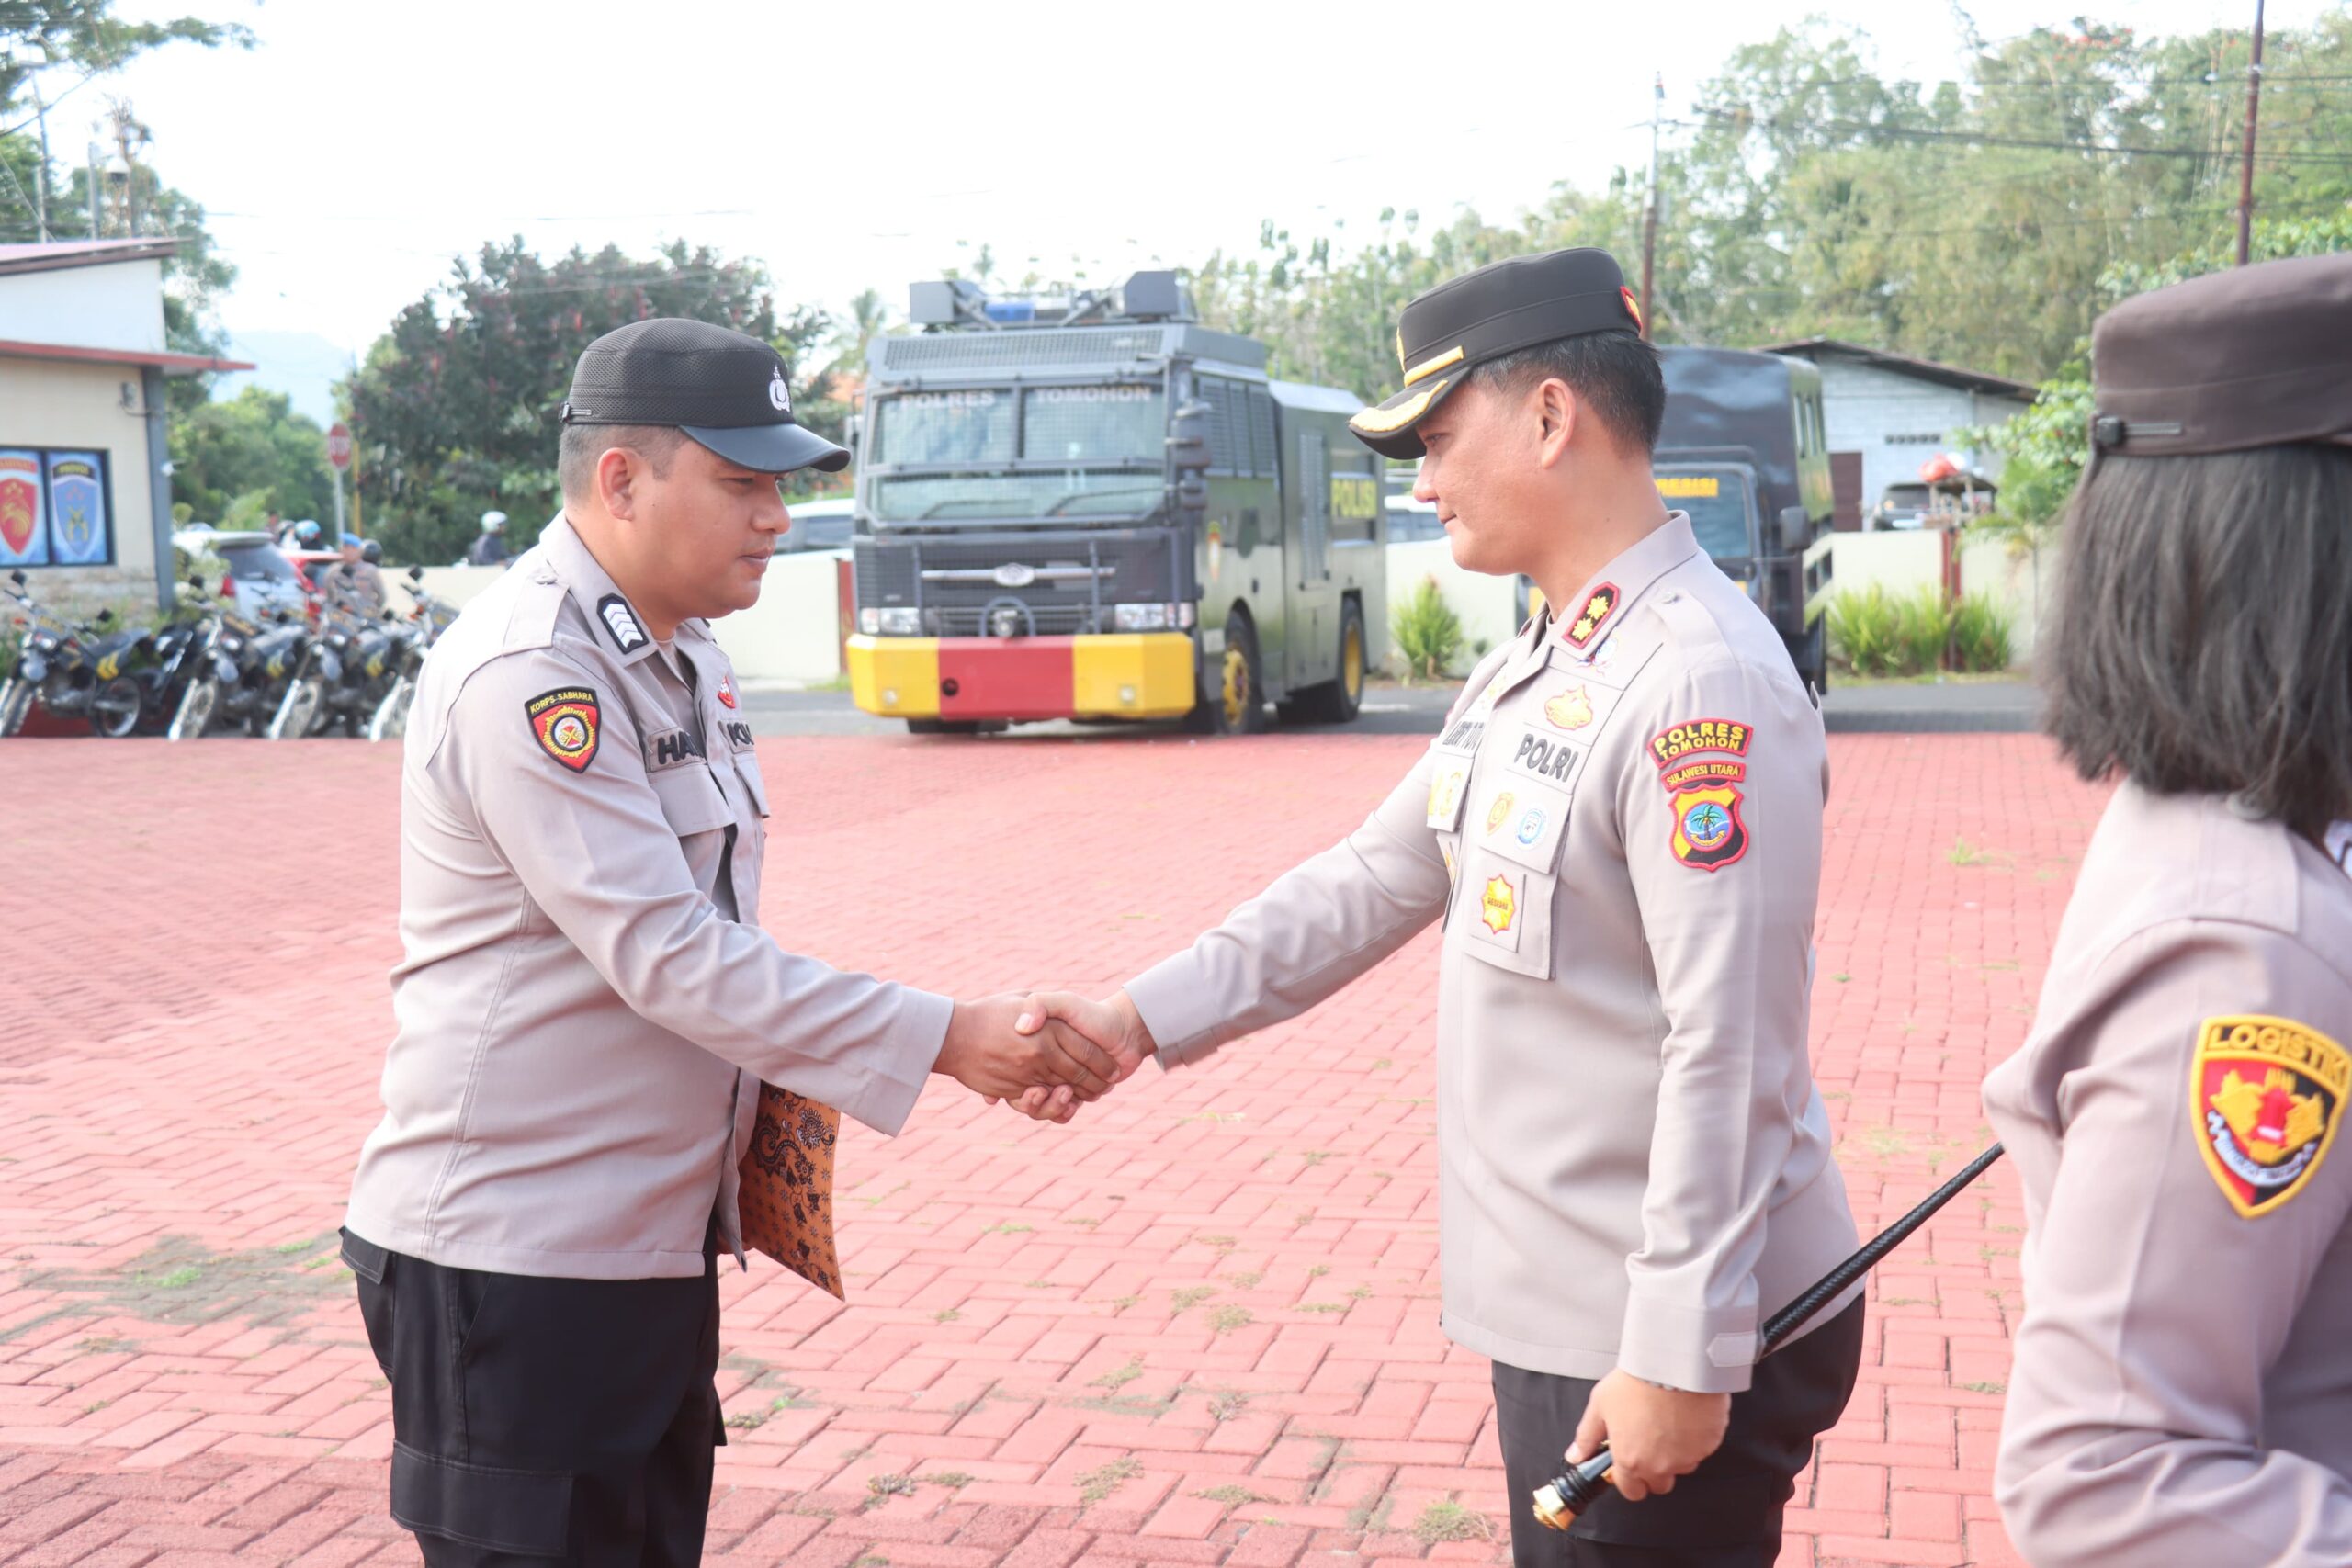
[177, 657]
[250, 665]
[82, 672]
[416, 637]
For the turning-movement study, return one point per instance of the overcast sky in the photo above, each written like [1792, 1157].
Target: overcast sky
[360, 145]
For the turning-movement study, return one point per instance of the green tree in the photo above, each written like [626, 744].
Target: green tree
[86, 36]
[251, 443]
[454, 409]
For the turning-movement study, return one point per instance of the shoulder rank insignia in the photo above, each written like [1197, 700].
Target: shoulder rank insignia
[2264, 1098]
[1598, 605]
[564, 720]
[612, 613]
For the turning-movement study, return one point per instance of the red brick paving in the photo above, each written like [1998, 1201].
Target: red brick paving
[1199, 1326]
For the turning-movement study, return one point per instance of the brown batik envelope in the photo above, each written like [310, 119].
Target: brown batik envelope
[786, 1179]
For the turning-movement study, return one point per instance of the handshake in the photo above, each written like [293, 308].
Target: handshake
[1045, 1052]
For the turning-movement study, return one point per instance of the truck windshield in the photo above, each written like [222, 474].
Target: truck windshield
[1118, 432]
[1717, 501]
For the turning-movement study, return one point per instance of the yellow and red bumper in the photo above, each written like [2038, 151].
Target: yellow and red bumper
[1127, 675]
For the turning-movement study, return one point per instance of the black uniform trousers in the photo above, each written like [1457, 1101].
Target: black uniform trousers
[1726, 1513]
[540, 1421]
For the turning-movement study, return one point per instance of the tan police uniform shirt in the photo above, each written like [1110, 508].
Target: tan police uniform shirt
[586, 1001]
[361, 594]
[1621, 828]
[2182, 1392]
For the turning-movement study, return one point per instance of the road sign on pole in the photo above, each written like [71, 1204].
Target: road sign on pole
[339, 446]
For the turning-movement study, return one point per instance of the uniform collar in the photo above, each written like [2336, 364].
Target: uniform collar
[1586, 621]
[617, 624]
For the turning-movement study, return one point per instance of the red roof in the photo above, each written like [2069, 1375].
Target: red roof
[169, 364]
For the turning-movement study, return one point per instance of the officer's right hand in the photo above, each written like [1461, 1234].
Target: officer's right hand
[985, 1054]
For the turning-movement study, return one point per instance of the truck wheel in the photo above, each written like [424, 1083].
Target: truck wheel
[1235, 700]
[1816, 665]
[1335, 701]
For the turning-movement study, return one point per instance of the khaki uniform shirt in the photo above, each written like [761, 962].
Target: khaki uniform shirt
[1621, 828]
[2182, 1391]
[362, 592]
[586, 1002]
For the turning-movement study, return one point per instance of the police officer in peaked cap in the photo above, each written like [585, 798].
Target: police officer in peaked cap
[1619, 829]
[2182, 1392]
[587, 1007]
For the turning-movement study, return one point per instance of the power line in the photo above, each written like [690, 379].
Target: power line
[1987, 139]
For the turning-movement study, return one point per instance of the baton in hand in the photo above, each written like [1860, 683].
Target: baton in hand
[1572, 1493]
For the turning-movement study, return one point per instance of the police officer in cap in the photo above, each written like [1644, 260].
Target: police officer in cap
[1619, 827]
[2182, 1392]
[587, 1006]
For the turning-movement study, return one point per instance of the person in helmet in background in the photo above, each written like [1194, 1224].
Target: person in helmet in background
[352, 583]
[489, 548]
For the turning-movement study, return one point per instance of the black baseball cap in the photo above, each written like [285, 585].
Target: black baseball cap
[724, 388]
[1501, 309]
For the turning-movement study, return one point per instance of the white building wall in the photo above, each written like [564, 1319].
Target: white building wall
[89, 408]
[1898, 421]
[112, 305]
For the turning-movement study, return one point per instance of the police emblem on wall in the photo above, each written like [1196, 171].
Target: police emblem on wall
[23, 542]
[2263, 1098]
[77, 509]
[565, 721]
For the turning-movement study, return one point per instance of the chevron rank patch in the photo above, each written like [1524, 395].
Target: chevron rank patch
[620, 623]
[565, 723]
[2265, 1097]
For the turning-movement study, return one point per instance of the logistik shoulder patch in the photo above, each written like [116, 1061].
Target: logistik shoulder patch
[2264, 1095]
[620, 623]
[565, 723]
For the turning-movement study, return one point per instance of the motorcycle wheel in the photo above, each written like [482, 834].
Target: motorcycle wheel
[115, 708]
[16, 703]
[195, 710]
[390, 719]
[297, 710]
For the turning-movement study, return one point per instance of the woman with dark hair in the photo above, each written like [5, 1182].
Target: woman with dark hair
[2182, 1391]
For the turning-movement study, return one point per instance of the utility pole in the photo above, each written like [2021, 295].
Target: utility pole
[2245, 171]
[122, 129]
[41, 176]
[94, 190]
[1649, 216]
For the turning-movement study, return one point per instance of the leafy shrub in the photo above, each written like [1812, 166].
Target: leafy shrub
[1428, 632]
[1873, 632]
[1980, 633]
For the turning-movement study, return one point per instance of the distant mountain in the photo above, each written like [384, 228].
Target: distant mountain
[303, 365]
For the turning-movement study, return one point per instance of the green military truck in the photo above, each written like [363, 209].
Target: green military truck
[1744, 451]
[1096, 508]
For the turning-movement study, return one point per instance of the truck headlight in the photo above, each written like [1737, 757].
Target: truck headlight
[897, 620]
[1146, 617]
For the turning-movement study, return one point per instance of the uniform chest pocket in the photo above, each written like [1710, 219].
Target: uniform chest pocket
[747, 769]
[1511, 857]
[691, 798]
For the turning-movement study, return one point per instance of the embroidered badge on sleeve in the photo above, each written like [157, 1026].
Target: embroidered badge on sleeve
[564, 720]
[1708, 833]
[2264, 1096]
[1729, 736]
